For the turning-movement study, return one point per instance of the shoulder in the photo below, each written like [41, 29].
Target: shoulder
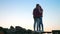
[34, 9]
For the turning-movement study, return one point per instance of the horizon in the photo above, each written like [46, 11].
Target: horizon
[19, 13]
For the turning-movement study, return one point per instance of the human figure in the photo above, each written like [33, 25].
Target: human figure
[37, 15]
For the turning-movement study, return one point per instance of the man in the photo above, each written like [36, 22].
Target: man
[37, 15]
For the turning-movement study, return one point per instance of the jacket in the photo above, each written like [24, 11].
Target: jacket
[36, 13]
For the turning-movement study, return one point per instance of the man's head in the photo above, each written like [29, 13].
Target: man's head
[37, 5]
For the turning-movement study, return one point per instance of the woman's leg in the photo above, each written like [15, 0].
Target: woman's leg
[42, 27]
[40, 24]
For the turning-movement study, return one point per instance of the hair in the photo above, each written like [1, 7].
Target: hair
[39, 6]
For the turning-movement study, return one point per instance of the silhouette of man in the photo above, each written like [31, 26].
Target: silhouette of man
[37, 15]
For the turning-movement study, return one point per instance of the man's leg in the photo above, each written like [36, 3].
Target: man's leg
[34, 23]
[37, 24]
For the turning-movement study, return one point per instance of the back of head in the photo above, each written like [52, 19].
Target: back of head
[37, 4]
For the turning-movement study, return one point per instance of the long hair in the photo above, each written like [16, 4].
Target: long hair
[41, 8]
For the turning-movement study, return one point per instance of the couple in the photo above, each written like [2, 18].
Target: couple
[37, 15]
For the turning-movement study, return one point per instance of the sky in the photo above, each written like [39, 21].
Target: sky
[19, 13]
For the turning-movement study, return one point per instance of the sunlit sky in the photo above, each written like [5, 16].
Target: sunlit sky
[19, 13]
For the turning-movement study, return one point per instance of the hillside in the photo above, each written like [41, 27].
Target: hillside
[16, 30]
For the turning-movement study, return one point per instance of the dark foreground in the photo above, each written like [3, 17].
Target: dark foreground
[20, 30]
